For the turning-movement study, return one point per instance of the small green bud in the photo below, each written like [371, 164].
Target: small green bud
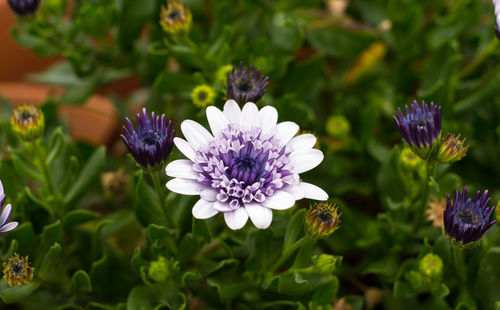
[410, 160]
[162, 269]
[431, 266]
[338, 126]
[324, 263]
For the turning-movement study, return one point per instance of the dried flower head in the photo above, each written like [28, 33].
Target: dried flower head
[28, 121]
[436, 210]
[175, 18]
[322, 219]
[452, 149]
[151, 143]
[467, 219]
[202, 96]
[246, 85]
[246, 167]
[420, 128]
[24, 7]
[114, 181]
[17, 271]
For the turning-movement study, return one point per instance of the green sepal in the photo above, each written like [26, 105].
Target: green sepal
[81, 281]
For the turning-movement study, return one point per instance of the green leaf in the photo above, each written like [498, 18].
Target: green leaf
[177, 82]
[57, 144]
[326, 294]
[81, 281]
[294, 228]
[87, 176]
[24, 169]
[77, 217]
[148, 207]
[188, 248]
[228, 287]
[137, 261]
[201, 229]
[25, 235]
[15, 294]
[49, 260]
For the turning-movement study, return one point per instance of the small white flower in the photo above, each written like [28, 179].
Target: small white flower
[247, 166]
[5, 226]
[496, 4]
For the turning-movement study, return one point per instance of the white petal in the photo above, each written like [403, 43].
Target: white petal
[196, 134]
[236, 219]
[305, 161]
[8, 227]
[1, 189]
[5, 214]
[313, 192]
[204, 209]
[222, 206]
[280, 200]
[261, 216]
[249, 116]
[185, 186]
[285, 131]
[232, 112]
[302, 142]
[181, 168]
[216, 119]
[185, 148]
[268, 117]
[296, 190]
[208, 194]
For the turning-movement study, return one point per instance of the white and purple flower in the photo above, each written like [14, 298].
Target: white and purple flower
[247, 166]
[5, 226]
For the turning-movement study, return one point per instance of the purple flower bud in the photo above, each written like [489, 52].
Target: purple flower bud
[24, 7]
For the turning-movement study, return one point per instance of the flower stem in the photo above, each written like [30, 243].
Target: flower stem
[159, 191]
[289, 251]
[430, 172]
[49, 182]
[459, 264]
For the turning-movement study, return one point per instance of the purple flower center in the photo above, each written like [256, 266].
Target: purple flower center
[149, 137]
[468, 216]
[244, 165]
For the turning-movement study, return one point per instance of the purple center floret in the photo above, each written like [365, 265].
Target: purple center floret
[467, 219]
[244, 166]
[421, 126]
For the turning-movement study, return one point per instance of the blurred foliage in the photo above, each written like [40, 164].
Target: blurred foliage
[339, 69]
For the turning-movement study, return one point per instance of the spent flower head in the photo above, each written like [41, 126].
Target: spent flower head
[467, 219]
[24, 7]
[17, 271]
[246, 167]
[175, 17]
[27, 120]
[452, 149]
[5, 225]
[151, 144]
[420, 128]
[246, 85]
[322, 219]
[202, 96]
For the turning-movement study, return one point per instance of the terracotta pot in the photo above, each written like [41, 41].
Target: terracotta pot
[94, 122]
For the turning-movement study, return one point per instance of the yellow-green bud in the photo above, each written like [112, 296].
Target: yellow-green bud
[28, 121]
[324, 263]
[322, 219]
[175, 18]
[338, 126]
[431, 266]
[452, 149]
[221, 74]
[409, 160]
[202, 96]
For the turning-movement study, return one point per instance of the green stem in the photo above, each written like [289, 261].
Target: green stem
[430, 172]
[459, 264]
[492, 241]
[289, 251]
[159, 191]
[49, 182]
